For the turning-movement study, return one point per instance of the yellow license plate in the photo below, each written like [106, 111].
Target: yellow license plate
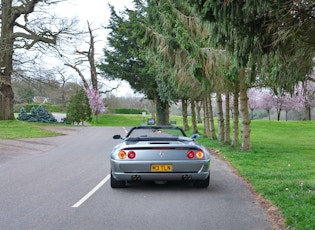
[161, 168]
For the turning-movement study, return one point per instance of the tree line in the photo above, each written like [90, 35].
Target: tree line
[189, 50]
[173, 50]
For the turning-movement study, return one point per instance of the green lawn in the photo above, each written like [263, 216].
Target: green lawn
[281, 165]
[119, 120]
[19, 129]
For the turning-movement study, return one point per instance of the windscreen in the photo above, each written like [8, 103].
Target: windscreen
[155, 132]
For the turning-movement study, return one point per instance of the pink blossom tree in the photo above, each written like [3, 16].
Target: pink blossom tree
[287, 102]
[297, 100]
[292, 102]
[265, 99]
[96, 103]
[309, 95]
[253, 100]
[301, 98]
[260, 98]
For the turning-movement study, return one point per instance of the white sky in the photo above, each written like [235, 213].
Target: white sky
[97, 13]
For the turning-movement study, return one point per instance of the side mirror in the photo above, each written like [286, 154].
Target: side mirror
[195, 136]
[117, 137]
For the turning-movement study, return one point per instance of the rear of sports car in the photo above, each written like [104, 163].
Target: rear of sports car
[160, 161]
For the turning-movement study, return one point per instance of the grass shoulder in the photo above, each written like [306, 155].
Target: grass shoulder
[16, 129]
[280, 167]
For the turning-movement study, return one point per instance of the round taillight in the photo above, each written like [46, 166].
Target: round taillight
[131, 154]
[200, 154]
[122, 154]
[190, 154]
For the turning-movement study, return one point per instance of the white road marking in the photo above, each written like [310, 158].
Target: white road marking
[89, 194]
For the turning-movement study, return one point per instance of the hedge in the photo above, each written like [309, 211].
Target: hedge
[48, 107]
[129, 111]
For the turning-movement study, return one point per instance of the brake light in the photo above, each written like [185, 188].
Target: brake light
[200, 154]
[190, 154]
[131, 154]
[122, 154]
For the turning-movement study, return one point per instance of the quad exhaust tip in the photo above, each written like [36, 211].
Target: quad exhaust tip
[187, 177]
[136, 178]
[184, 177]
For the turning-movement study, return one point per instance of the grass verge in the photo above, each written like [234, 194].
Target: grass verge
[281, 167]
[18, 129]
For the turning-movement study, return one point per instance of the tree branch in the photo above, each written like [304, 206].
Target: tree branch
[86, 85]
[45, 36]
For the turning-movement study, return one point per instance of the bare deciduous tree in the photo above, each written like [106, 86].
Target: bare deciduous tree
[87, 56]
[25, 25]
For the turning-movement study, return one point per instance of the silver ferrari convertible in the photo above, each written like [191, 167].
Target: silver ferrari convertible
[159, 154]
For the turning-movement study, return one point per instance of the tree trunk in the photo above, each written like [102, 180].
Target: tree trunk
[206, 123]
[246, 143]
[278, 114]
[252, 114]
[193, 117]
[227, 138]
[6, 102]
[162, 110]
[268, 111]
[308, 113]
[198, 108]
[209, 116]
[96, 118]
[185, 114]
[220, 118]
[91, 58]
[6, 57]
[153, 108]
[235, 132]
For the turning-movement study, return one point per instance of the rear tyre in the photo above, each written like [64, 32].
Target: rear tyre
[202, 183]
[116, 183]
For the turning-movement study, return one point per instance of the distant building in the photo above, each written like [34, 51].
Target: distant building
[40, 100]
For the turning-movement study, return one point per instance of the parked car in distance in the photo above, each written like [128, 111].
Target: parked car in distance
[160, 154]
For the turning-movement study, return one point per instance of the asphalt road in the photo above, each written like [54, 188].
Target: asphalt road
[62, 183]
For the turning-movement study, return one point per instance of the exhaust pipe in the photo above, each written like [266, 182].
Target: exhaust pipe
[187, 177]
[136, 178]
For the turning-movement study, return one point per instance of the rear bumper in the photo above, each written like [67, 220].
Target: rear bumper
[160, 176]
[140, 170]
